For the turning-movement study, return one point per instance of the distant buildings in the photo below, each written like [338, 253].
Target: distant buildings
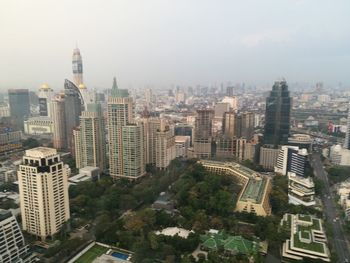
[45, 96]
[254, 197]
[57, 108]
[10, 140]
[277, 115]
[12, 245]
[347, 134]
[38, 125]
[306, 240]
[19, 106]
[43, 187]
[77, 63]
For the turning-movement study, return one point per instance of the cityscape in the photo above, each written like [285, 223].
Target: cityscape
[227, 171]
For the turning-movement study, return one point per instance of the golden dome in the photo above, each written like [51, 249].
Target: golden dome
[82, 86]
[44, 86]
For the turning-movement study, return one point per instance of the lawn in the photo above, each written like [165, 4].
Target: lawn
[91, 254]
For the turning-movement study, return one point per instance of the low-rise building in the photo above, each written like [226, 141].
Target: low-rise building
[38, 125]
[301, 190]
[254, 196]
[268, 157]
[306, 238]
[182, 143]
[10, 140]
[344, 197]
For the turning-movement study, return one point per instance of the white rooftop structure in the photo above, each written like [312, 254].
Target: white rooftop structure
[173, 231]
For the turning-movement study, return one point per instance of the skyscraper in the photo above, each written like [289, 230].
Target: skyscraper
[19, 106]
[77, 63]
[12, 245]
[126, 145]
[57, 113]
[43, 187]
[347, 135]
[45, 95]
[89, 139]
[277, 116]
[165, 145]
[203, 133]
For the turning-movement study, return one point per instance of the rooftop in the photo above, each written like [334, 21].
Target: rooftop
[254, 190]
[41, 152]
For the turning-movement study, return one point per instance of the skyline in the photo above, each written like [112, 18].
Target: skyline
[163, 43]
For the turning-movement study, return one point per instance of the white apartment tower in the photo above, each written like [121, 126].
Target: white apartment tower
[43, 187]
[347, 135]
[12, 245]
[89, 139]
[165, 145]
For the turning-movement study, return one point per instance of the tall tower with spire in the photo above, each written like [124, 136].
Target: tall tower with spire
[125, 138]
[77, 63]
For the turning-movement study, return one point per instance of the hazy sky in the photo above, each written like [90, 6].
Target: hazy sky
[163, 42]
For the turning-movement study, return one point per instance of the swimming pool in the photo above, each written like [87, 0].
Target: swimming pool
[120, 255]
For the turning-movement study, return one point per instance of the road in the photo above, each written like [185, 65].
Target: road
[340, 243]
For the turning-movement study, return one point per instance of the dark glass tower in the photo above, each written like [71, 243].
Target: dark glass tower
[277, 116]
[19, 106]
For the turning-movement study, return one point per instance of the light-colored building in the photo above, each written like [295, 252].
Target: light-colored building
[165, 145]
[12, 245]
[87, 173]
[89, 139]
[4, 111]
[221, 108]
[307, 238]
[301, 190]
[347, 132]
[150, 127]
[344, 197]
[120, 113]
[339, 155]
[182, 143]
[268, 157]
[133, 162]
[38, 125]
[57, 113]
[232, 100]
[291, 159]
[45, 95]
[43, 188]
[254, 196]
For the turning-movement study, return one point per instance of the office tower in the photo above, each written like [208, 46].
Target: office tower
[347, 134]
[203, 133]
[45, 96]
[74, 104]
[123, 156]
[58, 115]
[12, 245]
[43, 188]
[229, 124]
[225, 147]
[77, 63]
[165, 145]
[19, 106]
[89, 139]
[277, 116]
[245, 125]
[291, 159]
[133, 162]
[148, 98]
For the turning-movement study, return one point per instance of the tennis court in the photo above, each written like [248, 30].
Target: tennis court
[91, 254]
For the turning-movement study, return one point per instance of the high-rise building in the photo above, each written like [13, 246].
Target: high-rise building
[277, 116]
[89, 139]
[150, 127]
[229, 124]
[133, 161]
[57, 113]
[347, 134]
[43, 187]
[77, 63]
[203, 133]
[182, 129]
[126, 145]
[74, 104]
[245, 125]
[19, 106]
[12, 245]
[165, 145]
[221, 108]
[291, 159]
[45, 96]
